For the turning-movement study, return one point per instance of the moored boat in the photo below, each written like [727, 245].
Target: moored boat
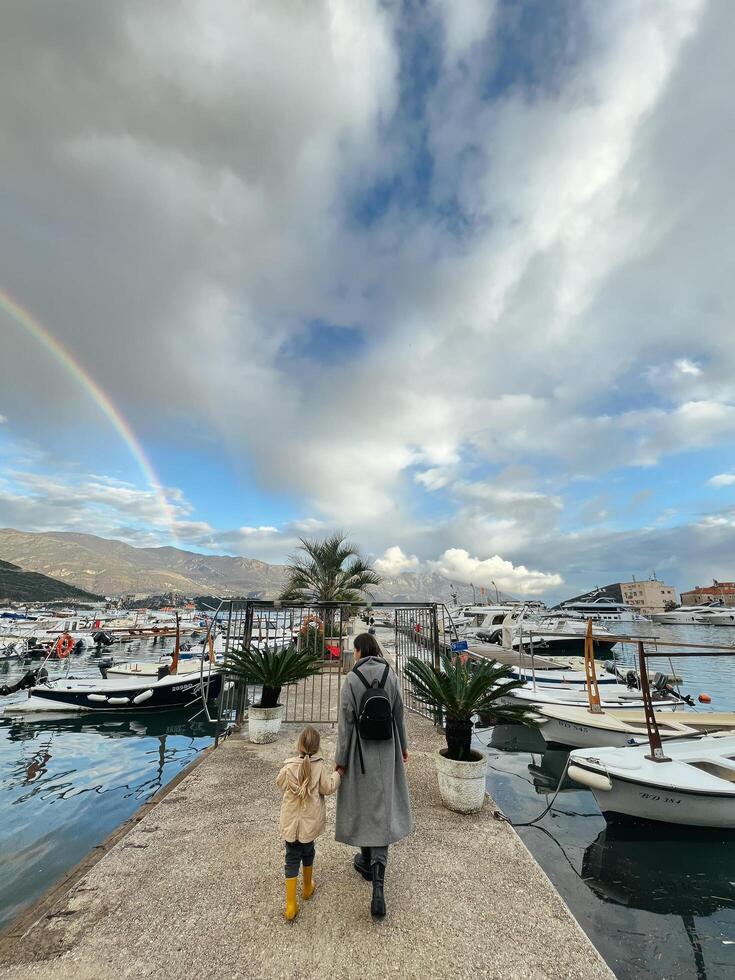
[119, 695]
[691, 784]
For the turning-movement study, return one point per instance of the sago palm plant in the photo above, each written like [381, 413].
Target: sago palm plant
[272, 668]
[460, 688]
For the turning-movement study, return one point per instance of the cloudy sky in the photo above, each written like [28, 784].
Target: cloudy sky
[454, 275]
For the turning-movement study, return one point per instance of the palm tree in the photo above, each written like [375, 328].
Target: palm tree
[331, 570]
[462, 687]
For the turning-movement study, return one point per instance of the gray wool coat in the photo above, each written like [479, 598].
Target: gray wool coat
[373, 809]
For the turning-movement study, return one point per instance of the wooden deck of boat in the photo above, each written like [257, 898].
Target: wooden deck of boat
[510, 658]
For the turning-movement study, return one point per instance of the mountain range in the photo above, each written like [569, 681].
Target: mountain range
[109, 567]
[17, 585]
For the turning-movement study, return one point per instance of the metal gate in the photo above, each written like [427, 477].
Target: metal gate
[403, 629]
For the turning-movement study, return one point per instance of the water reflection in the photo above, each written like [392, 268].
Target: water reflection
[656, 902]
[66, 781]
[665, 872]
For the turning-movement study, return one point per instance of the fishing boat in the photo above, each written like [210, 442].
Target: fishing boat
[586, 693]
[692, 785]
[686, 781]
[119, 695]
[580, 727]
[562, 676]
[616, 696]
[165, 689]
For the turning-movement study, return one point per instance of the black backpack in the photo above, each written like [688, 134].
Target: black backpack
[375, 713]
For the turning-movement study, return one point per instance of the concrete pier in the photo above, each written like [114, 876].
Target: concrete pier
[195, 889]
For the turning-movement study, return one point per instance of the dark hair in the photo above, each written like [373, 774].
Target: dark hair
[367, 646]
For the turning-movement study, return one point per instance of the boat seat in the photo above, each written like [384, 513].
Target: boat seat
[714, 769]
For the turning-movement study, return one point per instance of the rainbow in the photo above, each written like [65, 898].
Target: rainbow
[25, 320]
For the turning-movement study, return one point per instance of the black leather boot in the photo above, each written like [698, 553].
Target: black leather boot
[362, 863]
[377, 906]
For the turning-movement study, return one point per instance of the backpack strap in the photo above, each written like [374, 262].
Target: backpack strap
[355, 670]
[384, 678]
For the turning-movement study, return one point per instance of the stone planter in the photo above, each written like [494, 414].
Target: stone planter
[264, 724]
[462, 784]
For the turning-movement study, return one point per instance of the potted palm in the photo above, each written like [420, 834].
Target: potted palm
[272, 669]
[457, 690]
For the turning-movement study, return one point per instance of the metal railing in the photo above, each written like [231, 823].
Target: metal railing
[421, 630]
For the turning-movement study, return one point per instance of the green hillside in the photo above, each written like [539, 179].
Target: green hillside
[17, 585]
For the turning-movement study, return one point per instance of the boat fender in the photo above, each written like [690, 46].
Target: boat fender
[118, 700]
[595, 780]
[143, 696]
[96, 697]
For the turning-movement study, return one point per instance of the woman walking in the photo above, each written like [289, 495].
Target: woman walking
[373, 805]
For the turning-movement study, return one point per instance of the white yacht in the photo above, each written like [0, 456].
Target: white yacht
[602, 608]
[708, 614]
[550, 634]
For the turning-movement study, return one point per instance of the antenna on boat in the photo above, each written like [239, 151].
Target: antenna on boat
[174, 669]
[593, 691]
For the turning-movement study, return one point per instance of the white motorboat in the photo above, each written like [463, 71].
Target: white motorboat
[693, 787]
[575, 696]
[549, 635]
[708, 614]
[602, 608]
[561, 676]
[580, 727]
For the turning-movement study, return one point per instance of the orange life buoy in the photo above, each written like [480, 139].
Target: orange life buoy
[64, 646]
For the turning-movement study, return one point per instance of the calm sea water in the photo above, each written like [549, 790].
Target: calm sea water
[656, 903]
[67, 781]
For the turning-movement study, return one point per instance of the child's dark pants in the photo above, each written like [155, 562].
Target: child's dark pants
[296, 852]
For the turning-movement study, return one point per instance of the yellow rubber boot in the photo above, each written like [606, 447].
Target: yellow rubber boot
[291, 905]
[308, 889]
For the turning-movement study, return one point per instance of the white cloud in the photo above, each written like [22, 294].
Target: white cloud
[394, 562]
[722, 480]
[458, 565]
[685, 366]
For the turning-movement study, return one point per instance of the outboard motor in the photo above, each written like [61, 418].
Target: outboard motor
[102, 639]
[104, 665]
[662, 683]
[631, 679]
[27, 680]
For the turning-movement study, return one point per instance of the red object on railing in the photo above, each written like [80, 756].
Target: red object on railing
[333, 651]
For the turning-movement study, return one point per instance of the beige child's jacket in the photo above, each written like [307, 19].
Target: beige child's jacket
[304, 816]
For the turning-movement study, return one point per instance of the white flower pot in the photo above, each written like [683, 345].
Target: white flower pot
[462, 784]
[264, 724]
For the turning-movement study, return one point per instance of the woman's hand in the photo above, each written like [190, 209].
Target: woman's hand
[405, 756]
[341, 770]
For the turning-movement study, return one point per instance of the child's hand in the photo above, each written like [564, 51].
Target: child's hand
[405, 756]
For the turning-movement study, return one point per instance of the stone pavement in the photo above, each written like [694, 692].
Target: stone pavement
[196, 890]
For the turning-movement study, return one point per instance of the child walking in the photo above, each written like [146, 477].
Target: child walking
[304, 782]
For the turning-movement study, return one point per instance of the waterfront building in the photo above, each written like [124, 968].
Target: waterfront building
[723, 592]
[645, 597]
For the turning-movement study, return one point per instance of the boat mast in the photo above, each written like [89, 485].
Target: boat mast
[174, 669]
[593, 691]
[654, 736]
